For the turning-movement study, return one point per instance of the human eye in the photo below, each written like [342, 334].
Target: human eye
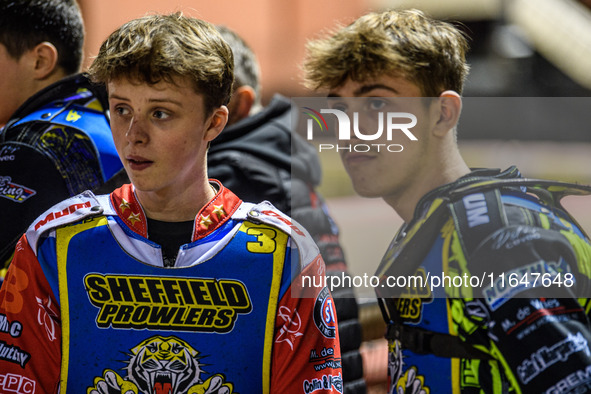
[120, 110]
[161, 114]
[338, 105]
[376, 104]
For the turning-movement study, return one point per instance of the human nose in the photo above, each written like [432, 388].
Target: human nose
[136, 132]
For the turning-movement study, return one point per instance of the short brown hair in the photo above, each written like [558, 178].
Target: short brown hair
[427, 52]
[158, 48]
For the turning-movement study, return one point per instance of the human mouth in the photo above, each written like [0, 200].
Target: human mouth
[138, 163]
[354, 158]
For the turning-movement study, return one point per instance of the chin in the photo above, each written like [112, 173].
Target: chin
[366, 191]
[142, 185]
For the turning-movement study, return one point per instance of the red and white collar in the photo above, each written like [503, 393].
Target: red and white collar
[213, 215]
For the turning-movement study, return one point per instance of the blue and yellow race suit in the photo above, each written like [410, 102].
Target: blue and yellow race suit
[87, 305]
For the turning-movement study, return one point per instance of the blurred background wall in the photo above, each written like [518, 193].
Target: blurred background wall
[276, 30]
[519, 47]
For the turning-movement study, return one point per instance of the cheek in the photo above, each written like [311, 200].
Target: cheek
[180, 151]
[118, 133]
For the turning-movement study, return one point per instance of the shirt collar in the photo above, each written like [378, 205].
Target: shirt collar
[213, 215]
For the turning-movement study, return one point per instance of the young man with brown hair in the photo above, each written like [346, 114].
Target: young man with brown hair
[170, 284]
[493, 338]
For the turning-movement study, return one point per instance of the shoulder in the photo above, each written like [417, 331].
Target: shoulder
[69, 211]
[480, 211]
[519, 232]
[267, 214]
[52, 99]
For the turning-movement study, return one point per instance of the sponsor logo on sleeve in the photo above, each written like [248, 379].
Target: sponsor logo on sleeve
[537, 313]
[64, 212]
[325, 382]
[13, 354]
[17, 384]
[292, 324]
[14, 191]
[576, 382]
[324, 359]
[501, 290]
[286, 221]
[324, 314]
[47, 315]
[14, 328]
[547, 356]
[7, 153]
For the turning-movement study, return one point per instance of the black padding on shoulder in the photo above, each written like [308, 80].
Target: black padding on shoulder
[29, 184]
[476, 216]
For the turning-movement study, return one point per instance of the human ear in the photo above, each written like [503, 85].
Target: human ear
[241, 103]
[217, 122]
[45, 57]
[449, 106]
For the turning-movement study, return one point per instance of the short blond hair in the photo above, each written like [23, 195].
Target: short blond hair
[427, 52]
[158, 48]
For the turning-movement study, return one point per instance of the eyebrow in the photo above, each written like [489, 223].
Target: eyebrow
[152, 100]
[368, 88]
[114, 96]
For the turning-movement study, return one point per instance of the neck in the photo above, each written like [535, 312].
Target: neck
[31, 87]
[51, 78]
[448, 170]
[176, 207]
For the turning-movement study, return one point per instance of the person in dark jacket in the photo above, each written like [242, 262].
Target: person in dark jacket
[259, 158]
[56, 140]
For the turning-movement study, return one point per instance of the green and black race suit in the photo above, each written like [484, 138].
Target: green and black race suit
[497, 295]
